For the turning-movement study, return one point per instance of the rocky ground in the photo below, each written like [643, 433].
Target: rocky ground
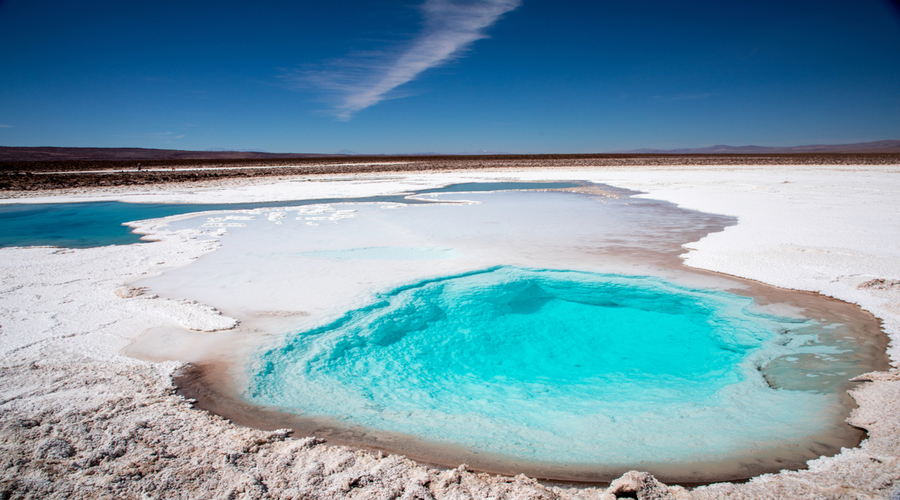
[50, 175]
[130, 436]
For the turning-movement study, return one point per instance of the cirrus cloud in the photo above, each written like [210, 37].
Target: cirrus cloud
[363, 80]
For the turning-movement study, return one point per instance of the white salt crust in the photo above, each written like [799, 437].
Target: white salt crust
[81, 420]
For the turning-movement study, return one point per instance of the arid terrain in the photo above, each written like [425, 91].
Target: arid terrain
[80, 171]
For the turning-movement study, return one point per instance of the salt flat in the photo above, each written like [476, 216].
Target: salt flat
[81, 419]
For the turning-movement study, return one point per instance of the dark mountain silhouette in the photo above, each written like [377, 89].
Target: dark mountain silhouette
[49, 154]
[136, 154]
[859, 147]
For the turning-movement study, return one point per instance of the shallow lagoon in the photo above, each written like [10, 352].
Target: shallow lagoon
[285, 271]
[557, 366]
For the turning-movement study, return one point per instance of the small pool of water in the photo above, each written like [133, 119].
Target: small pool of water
[560, 367]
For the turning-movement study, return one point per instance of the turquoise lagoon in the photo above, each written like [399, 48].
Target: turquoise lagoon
[561, 367]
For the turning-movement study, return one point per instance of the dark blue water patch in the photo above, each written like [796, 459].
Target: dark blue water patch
[94, 224]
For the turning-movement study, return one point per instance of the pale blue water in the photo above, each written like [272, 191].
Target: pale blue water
[552, 366]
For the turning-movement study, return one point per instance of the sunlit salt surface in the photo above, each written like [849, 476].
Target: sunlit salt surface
[508, 329]
[557, 366]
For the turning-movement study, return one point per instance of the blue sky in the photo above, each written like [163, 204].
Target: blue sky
[447, 76]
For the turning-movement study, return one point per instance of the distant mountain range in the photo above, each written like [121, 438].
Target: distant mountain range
[136, 154]
[17, 154]
[859, 147]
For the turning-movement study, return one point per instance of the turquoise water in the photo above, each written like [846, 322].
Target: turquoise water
[93, 224]
[553, 366]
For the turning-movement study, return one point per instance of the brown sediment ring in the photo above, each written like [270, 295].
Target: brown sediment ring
[197, 383]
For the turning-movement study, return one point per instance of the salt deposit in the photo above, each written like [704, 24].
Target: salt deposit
[81, 420]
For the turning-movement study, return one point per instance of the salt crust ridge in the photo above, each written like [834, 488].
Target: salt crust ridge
[81, 420]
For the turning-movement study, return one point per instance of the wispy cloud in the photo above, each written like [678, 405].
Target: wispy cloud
[363, 80]
[5, 126]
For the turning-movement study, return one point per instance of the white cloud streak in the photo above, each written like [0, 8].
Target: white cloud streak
[450, 27]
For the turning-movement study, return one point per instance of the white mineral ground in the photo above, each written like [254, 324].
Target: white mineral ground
[80, 420]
